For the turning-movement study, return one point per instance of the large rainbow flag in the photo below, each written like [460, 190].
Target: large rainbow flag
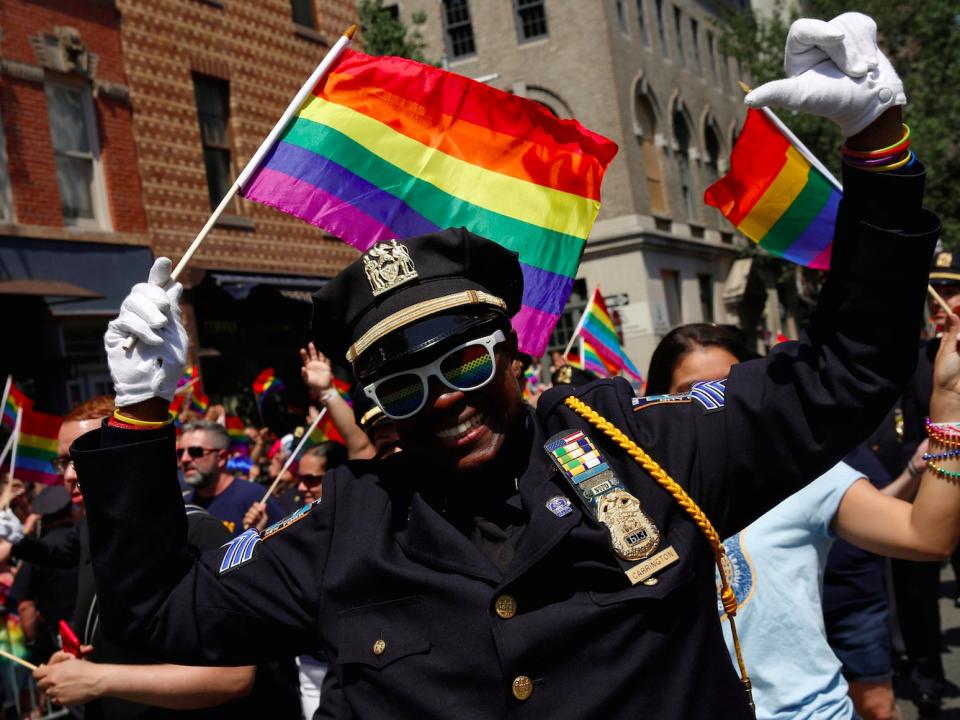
[776, 197]
[37, 448]
[390, 148]
[602, 352]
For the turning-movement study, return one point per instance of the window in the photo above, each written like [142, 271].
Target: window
[724, 77]
[681, 138]
[77, 155]
[695, 43]
[646, 120]
[661, 29]
[303, 13]
[531, 19]
[678, 29]
[712, 54]
[672, 296]
[213, 111]
[642, 22]
[706, 297]
[713, 154]
[6, 201]
[458, 28]
[622, 17]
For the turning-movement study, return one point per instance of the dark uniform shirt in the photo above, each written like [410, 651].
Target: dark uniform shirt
[402, 594]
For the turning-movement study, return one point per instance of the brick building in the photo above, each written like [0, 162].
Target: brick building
[648, 74]
[208, 79]
[72, 222]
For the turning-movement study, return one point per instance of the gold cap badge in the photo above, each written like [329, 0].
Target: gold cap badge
[387, 265]
[944, 259]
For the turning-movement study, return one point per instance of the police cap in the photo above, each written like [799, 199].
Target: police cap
[399, 283]
[945, 268]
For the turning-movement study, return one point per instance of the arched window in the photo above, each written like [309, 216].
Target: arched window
[712, 146]
[646, 129]
[681, 139]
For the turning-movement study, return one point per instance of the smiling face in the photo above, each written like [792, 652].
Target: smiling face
[466, 430]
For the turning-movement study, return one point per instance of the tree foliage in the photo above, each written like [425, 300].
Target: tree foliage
[922, 40]
[385, 34]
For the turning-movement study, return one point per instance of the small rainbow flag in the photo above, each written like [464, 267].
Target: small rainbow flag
[15, 399]
[390, 148]
[190, 372]
[325, 431]
[37, 448]
[264, 383]
[235, 429]
[199, 402]
[597, 330]
[776, 197]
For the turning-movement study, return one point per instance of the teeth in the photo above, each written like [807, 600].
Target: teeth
[462, 428]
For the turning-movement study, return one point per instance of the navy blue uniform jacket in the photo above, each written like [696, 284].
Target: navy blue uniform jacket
[375, 561]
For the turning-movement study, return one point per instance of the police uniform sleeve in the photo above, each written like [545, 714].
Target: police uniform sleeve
[58, 550]
[234, 605]
[789, 417]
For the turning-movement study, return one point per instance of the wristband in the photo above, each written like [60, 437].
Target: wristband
[117, 415]
[327, 394]
[893, 149]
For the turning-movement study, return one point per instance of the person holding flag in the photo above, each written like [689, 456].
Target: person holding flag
[507, 563]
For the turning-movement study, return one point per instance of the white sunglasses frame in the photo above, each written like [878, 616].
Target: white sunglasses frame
[425, 372]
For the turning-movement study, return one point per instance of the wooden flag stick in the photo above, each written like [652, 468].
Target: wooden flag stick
[293, 455]
[939, 300]
[186, 386]
[16, 441]
[19, 661]
[801, 148]
[254, 162]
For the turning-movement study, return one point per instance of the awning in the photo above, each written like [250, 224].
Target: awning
[294, 288]
[100, 274]
[50, 289]
[737, 280]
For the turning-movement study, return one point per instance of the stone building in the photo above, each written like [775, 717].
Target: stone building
[650, 75]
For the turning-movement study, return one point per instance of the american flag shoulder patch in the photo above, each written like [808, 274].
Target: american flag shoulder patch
[709, 394]
[239, 551]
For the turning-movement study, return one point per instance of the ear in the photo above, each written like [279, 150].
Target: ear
[510, 344]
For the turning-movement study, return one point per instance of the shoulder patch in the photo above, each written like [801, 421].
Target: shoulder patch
[290, 520]
[239, 551]
[642, 403]
[709, 394]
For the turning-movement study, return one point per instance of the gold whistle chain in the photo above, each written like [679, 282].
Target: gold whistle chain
[727, 596]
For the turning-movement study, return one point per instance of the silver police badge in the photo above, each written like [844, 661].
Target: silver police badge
[387, 265]
[632, 534]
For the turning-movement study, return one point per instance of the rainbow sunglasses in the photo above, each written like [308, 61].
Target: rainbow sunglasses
[466, 367]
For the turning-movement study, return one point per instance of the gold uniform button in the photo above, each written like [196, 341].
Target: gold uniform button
[522, 687]
[506, 606]
[379, 647]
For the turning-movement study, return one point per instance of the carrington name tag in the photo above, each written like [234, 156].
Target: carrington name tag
[652, 565]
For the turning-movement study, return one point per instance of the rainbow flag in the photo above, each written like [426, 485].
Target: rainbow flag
[597, 329]
[264, 383]
[390, 148]
[235, 429]
[37, 448]
[592, 361]
[325, 431]
[190, 372]
[199, 402]
[15, 399]
[775, 196]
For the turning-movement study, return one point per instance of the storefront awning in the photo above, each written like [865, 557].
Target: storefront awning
[99, 274]
[294, 288]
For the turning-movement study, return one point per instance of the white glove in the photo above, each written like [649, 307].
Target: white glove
[834, 69]
[150, 314]
[11, 529]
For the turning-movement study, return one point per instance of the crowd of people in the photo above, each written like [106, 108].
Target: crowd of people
[490, 538]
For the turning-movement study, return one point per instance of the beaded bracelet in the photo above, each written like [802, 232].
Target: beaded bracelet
[949, 454]
[955, 474]
[897, 147]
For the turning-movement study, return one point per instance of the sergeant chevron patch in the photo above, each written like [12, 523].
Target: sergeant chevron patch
[239, 551]
[709, 394]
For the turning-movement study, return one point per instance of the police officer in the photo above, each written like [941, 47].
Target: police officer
[505, 563]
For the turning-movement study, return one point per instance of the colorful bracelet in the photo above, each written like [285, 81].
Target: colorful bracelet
[142, 423]
[899, 146]
[893, 166]
[954, 474]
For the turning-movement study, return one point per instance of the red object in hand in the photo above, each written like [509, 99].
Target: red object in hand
[69, 640]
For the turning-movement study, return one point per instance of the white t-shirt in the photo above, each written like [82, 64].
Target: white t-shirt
[777, 567]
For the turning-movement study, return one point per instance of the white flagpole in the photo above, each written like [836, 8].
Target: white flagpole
[801, 148]
[576, 330]
[329, 59]
[6, 393]
[6, 449]
[16, 435]
[293, 455]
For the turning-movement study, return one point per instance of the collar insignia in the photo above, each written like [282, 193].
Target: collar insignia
[387, 265]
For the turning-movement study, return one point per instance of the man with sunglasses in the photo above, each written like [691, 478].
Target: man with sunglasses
[202, 451]
[506, 563]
